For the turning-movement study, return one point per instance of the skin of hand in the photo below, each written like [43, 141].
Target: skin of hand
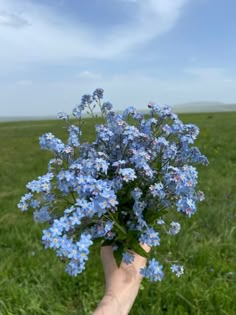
[122, 283]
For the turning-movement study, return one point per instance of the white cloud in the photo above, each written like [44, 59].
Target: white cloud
[50, 38]
[12, 20]
[88, 75]
[192, 59]
[205, 71]
[208, 74]
[24, 82]
[228, 80]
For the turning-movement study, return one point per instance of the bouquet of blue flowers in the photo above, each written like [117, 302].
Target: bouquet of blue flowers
[122, 189]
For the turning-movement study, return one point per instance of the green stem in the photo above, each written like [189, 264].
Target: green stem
[117, 224]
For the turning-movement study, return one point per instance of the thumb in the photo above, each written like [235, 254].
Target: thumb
[108, 260]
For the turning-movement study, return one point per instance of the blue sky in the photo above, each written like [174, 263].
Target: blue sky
[168, 51]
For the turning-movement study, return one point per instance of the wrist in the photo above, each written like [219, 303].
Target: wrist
[109, 305]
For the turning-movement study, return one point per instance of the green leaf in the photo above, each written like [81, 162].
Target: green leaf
[151, 216]
[121, 235]
[132, 234]
[108, 243]
[118, 252]
[137, 248]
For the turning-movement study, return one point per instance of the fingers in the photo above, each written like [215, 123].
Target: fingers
[108, 260]
[110, 265]
[145, 247]
[140, 261]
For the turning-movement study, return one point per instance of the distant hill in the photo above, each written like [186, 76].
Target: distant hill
[26, 118]
[192, 107]
[197, 107]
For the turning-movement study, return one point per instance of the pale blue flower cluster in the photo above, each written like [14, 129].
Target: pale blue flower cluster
[119, 188]
[153, 271]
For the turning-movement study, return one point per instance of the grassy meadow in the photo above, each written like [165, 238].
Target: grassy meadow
[33, 281]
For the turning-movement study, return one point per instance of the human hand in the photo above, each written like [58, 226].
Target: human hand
[122, 283]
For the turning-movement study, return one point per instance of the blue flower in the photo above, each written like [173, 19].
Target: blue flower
[174, 228]
[106, 106]
[157, 190]
[35, 203]
[23, 206]
[25, 202]
[128, 257]
[177, 269]
[49, 142]
[74, 268]
[153, 271]
[101, 165]
[128, 174]
[77, 112]
[74, 135]
[86, 99]
[98, 94]
[186, 205]
[136, 193]
[62, 115]
[150, 237]
[42, 215]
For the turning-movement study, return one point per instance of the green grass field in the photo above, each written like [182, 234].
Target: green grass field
[33, 281]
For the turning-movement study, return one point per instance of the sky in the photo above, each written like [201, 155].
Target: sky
[168, 51]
